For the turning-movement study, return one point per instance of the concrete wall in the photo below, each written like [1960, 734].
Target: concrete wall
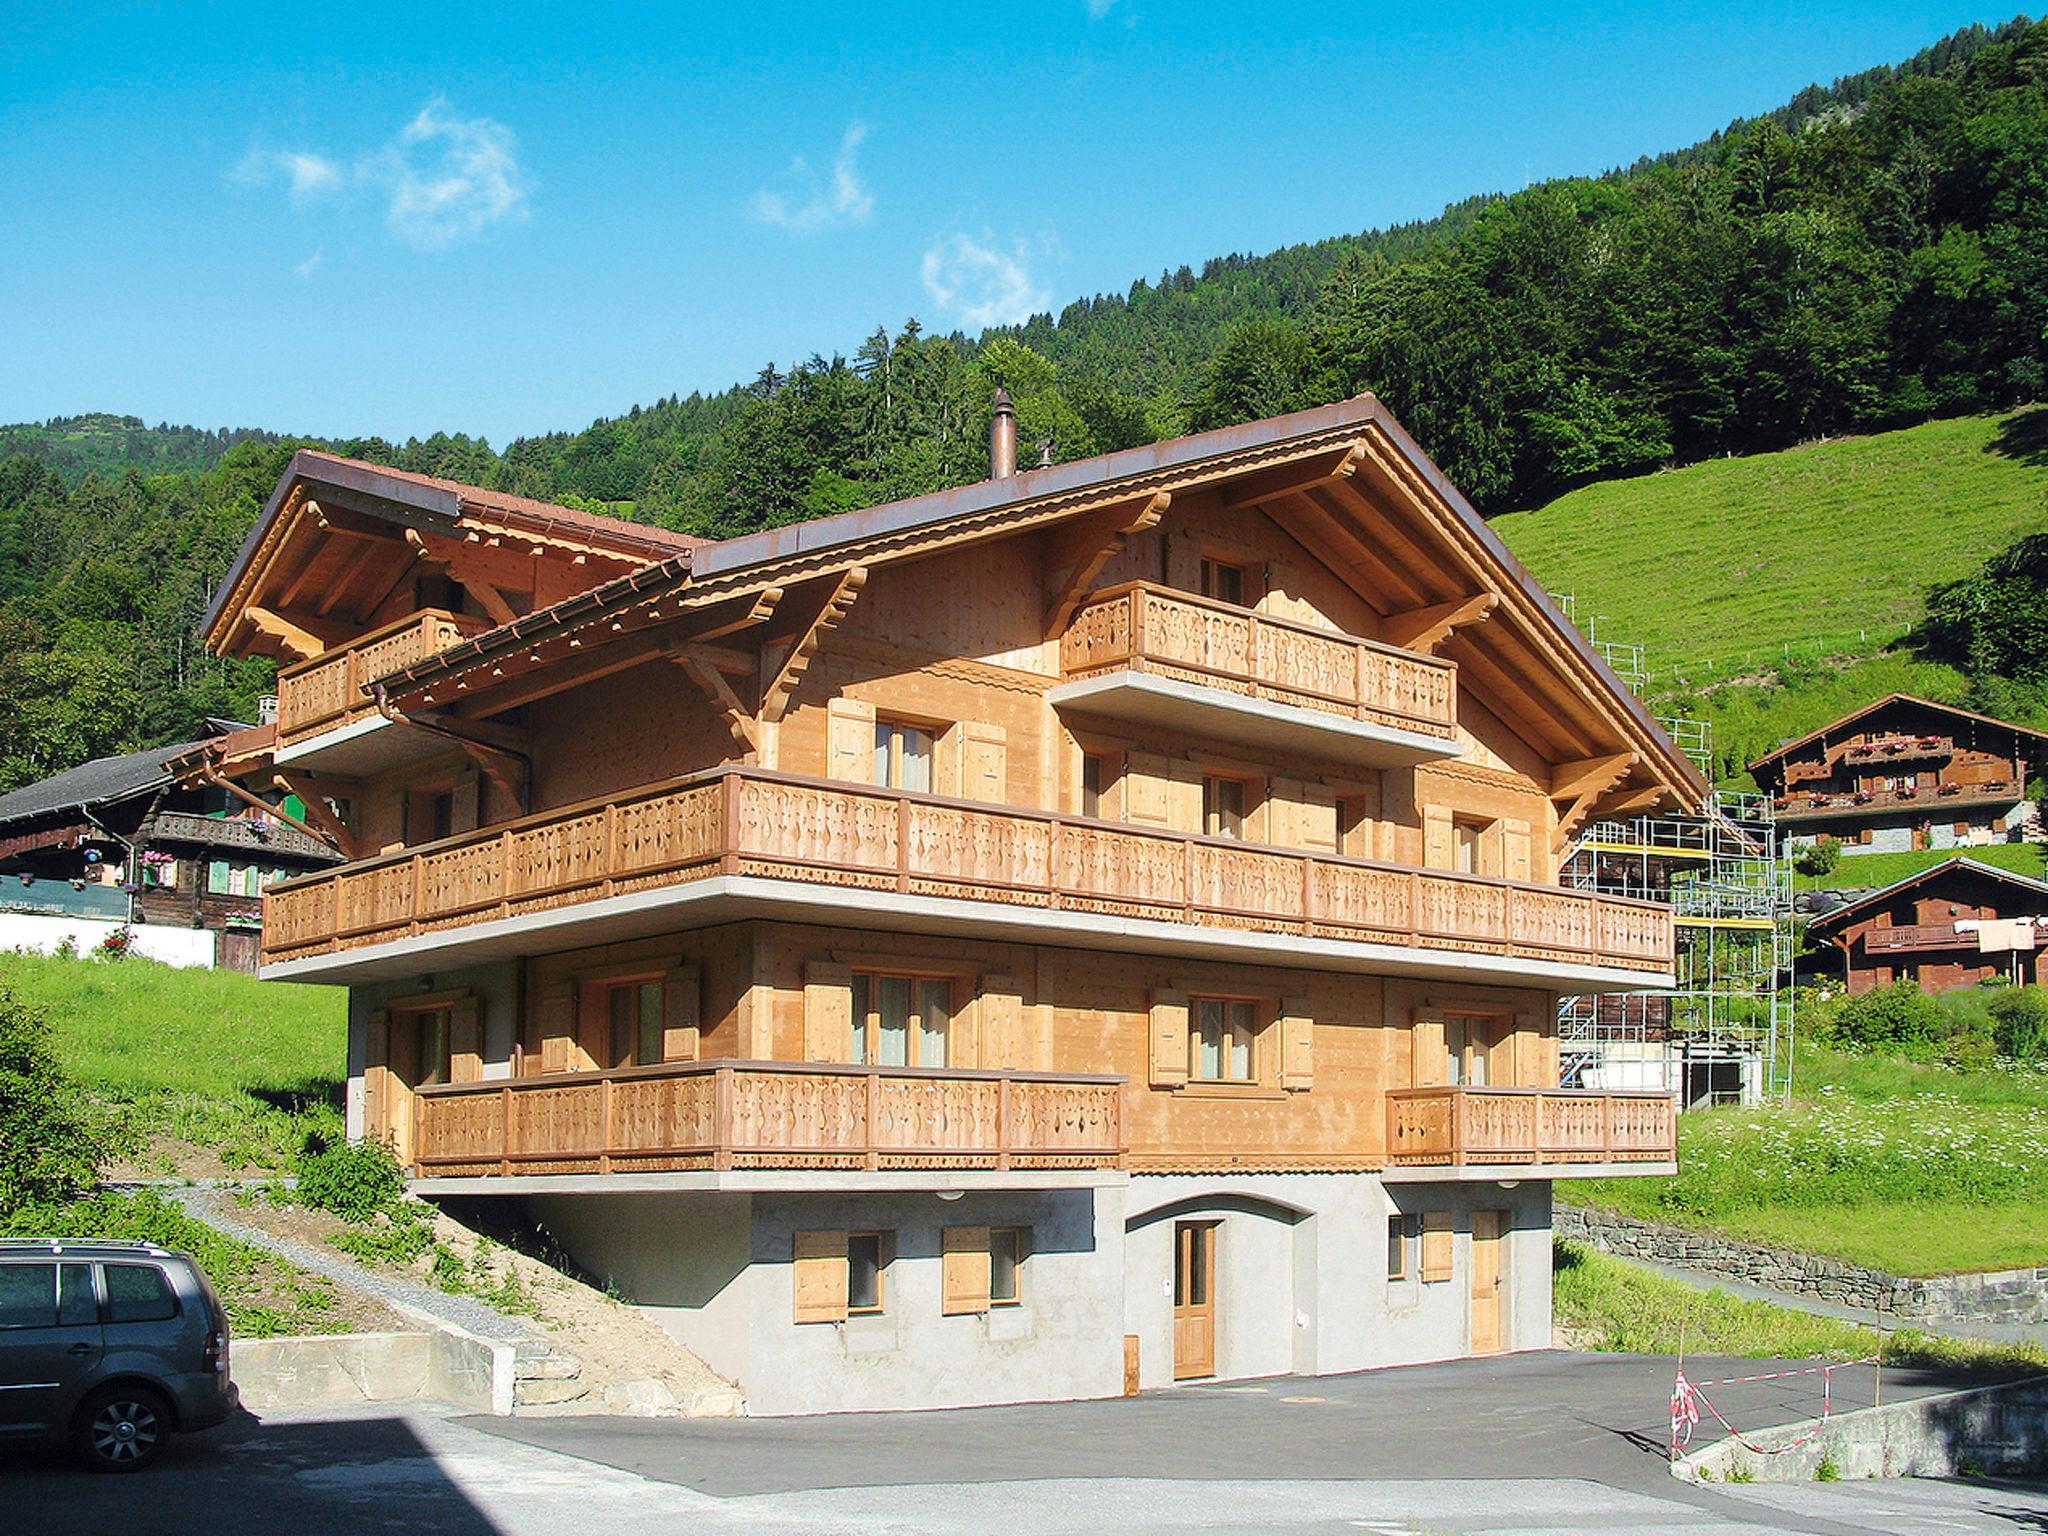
[445, 1365]
[183, 947]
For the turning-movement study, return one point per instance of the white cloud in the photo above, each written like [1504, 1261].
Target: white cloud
[442, 178]
[810, 204]
[1097, 9]
[980, 284]
[304, 270]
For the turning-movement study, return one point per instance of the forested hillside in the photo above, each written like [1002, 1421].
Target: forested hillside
[1870, 255]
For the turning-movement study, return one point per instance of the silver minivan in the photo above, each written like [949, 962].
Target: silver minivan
[112, 1346]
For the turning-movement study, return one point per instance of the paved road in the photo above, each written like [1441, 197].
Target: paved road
[1531, 1445]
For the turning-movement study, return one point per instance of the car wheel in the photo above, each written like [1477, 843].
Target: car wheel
[121, 1429]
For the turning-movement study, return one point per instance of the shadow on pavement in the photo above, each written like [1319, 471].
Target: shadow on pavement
[341, 1477]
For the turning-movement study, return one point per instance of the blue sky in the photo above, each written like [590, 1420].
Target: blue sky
[357, 219]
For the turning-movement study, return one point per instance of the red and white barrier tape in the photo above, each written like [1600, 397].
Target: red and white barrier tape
[1687, 1399]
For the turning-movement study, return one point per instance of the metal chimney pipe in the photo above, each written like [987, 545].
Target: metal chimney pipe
[1002, 438]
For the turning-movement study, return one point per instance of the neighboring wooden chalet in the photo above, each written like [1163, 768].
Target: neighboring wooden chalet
[1906, 773]
[1090, 928]
[1955, 925]
[124, 840]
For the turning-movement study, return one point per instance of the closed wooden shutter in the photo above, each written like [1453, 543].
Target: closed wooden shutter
[1430, 1064]
[1316, 822]
[377, 1076]
[1437, 1239]
[1002, 1023]
[984, 762]
[1169, 1039]
[1536, 1063]
[1283, 811]
[819, 1267]
[1184, 797]
[850, 741]
[965, 1264]
[557, 1030]
[1515, 844]
[464, 802]
[465, 1042]
[828, 1012]
[1147, 790]
[680, 987]
[1438, 851]
[1297, 1044]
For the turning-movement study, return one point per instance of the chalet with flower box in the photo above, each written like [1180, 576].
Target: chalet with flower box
[1955, 925]
[1906, 773]
[1091, 928]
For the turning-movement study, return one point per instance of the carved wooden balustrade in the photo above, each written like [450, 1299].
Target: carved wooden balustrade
[717, 1115]
[327, 691]
[1917, 936]
[809, 832]
[1450, 1127]
[1143, 628]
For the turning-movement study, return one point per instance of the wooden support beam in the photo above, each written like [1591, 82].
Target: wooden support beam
[738, 720]
[302, 643]
[351, 568]
[507, 770]
[1629, 802]
[784, 663]
[1424, 629]
[1589, 775]
[493, 601]
[318, 815]
[718, 657]
[484, 733]
[1272, 484]
[1077, 552]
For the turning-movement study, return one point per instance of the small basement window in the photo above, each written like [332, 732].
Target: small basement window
[867, 1257]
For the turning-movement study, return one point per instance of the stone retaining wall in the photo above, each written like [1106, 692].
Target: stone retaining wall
[319, 1370]
[2003, 1296]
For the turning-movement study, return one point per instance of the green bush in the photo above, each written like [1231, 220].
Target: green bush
[2019, 1023]
[356, 1181]
[51, 1140]
[1900, 1019]
[1821, 858]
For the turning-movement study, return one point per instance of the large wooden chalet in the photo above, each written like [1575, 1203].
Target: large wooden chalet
[1955, 925]
[1090, 928]
[1905, 773]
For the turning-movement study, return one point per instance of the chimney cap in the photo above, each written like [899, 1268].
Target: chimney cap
[1003, 398]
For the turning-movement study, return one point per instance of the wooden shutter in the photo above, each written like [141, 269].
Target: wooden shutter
[557, 1029]
[1002, 1023]
[1184, 797]
[828, 1012]
[465, 1042]
[1430, 1063]
[1283, 811]
[377, 1076]
[1437, 1237]
[680, 988]
[1147, 790]
[1515, 846]
[1169, 1039]
[1438, 850]
[464, 802]
[984, 762]
[965, 1264]
[1297, 1030]
[850, 741]
[819, 1267]
[1315, 824]
[1536, 1064]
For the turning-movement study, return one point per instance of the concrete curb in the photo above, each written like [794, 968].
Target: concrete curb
[1996, 1431]
[439, 1363]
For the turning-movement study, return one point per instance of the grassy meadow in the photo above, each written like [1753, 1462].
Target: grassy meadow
[1882, 869]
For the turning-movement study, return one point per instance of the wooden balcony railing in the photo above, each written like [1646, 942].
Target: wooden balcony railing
[1933, 799]
[756, 822]
[1143, 628]
[716, 1115]
[1917, 936]
[327, 691]
[1450, 1127]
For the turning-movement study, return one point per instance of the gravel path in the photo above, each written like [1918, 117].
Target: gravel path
[213, 1203]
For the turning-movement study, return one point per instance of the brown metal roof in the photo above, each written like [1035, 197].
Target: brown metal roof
[1877, 704]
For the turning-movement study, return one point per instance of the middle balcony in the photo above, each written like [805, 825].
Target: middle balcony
[1154, 656]
[755, 843]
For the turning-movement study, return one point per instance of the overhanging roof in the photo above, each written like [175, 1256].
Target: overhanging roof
[1958, 865]
[1889, 699]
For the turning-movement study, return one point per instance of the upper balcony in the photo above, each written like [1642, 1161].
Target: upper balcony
[1937, 802]
[1160, 657]
[750, 842]
[326, 718]
[1477, 1133]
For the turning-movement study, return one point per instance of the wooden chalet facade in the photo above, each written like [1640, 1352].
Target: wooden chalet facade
[1905, 773]
[1096, 926]
[1955, 925]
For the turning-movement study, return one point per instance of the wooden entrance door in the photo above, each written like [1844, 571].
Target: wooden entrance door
[1487, 1227]
[1194, 1299]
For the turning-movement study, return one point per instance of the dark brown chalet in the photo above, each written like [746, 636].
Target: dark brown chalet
[1902, 774]
[1951, 926]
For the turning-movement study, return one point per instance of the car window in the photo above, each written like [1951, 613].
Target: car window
[138, 1293]
[78, 1306]
[28, 1295]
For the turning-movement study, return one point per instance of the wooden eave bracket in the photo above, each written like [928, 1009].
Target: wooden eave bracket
[1080, 551]
[1424, 629]
[314, 793]
[1578, 786]
[1290, 479]
[507, 770]
[707, 674]
[784, 662]
[303, 643]
[493, 601]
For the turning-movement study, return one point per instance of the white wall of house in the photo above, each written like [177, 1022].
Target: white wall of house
[43, 934]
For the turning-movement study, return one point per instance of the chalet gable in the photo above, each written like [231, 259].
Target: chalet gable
[2021, 888]
[1904, 715]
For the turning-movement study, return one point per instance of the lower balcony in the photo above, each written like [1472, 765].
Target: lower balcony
[715, 1119]
[1435, 1134]
[742, 843]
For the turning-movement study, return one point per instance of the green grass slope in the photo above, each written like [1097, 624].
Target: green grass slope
[1881, 869]
[1768, 591]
